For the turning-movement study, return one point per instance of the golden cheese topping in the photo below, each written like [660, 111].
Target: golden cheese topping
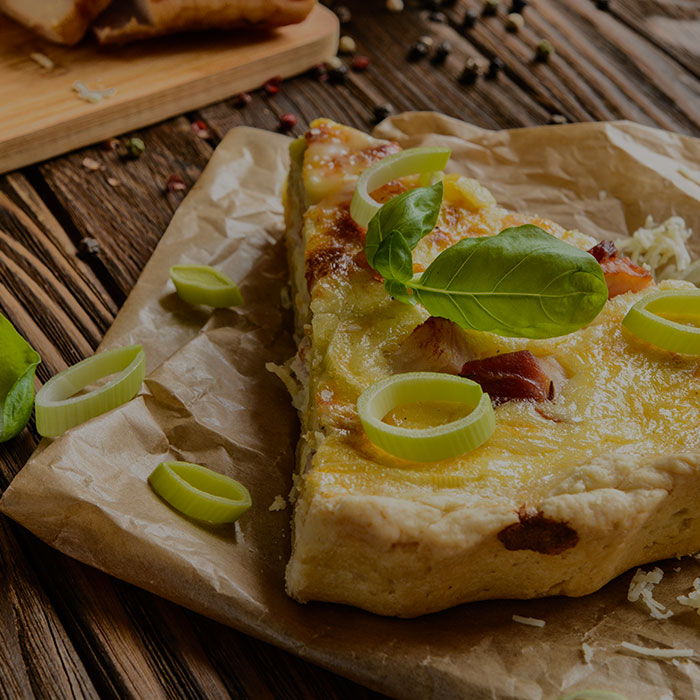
[621, 397]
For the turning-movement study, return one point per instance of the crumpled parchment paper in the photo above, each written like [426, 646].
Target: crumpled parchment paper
[209, 399]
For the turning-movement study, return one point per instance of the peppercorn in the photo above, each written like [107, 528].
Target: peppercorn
[514, 22]
[273, 85]
[495, 66]
[490, 7]
[135, 147]
[427, 40]
[242, 99]
[438, 17]
[471, 72]
[338, 75]
[382, 111]
[175, 183]
[442, 52]
[347, 45]
[543, 50]
[111, 144]
[88, 246]
[343, 13]
[333, 62]
[394, 5]
[287, 122]
[518, 6]
[449, 3]
[470, 17]
[320, 72]
[433, 5]
[359, 63]
[603, 4]
[557, 119]
[417, 51]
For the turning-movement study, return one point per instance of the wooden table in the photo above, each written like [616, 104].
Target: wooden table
[67, 631]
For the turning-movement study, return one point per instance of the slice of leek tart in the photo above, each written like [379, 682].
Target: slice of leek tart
[591, 466]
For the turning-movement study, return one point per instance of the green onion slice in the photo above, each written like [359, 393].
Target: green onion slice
[200, 493]
[426, 444]
[662, 319]
[408, 162]
[202, 284]
[57, 407]
[593, 695]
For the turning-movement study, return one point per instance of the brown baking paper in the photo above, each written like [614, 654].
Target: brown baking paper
[209, 399]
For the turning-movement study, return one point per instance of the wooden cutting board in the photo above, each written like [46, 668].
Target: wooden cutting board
[42, 116]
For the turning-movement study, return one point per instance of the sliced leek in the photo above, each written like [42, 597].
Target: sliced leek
[200, 493]
[409, 162]
[202, 284]
[426, 444]
[659, 318]
[58, 408]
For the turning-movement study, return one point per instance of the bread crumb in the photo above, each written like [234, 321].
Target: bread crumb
[531, 621]
[279, 503]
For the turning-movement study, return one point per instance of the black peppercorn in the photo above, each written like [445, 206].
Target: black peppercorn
[490, 8]
[495, 66]
[603, 4]
[382, 111]
[437, 17]
[470, 17]
[338, 75]
[433, 5]
[449, 3]
[417, 51]
[518, 5]
[442, 52]
[470, 72]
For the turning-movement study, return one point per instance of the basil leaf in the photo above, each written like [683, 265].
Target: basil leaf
[413, 214]
[18, 361]
[399, 291]
[522, 283]
[393, 259]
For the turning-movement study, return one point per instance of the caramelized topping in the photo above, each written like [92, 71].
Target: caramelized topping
[516, 376]
[621, 274]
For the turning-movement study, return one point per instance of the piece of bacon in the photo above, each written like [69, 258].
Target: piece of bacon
[437, 345]
[621, 274]
[516, 376]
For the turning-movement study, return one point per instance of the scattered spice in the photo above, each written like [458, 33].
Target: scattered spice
[343, 13]
[347, 45]
[273, 85]
[518, 5]
[449, 3]
[91, 164]
[394, 5]
[557, 119]
[43, 60]
[438, 17]
[134, 147]
[543, 50]
[93, 96]
[470, 18]
[427, 40]
[320, 72]
[433, 5]
[111, 145]
[201, 129]
[176, 183]
[514, 22]
[333, 62]
[442, 52]
[242, 99]
[417, 51]
[495, 67]
[382, 111]
[359, 63]
[113, 182]
[603, 4]
[287, 122]
[490, 8]
[471, 72]
[338, 75]
[89, 246]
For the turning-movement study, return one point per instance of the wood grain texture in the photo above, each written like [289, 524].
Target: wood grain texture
[640, 61]
[152, 80]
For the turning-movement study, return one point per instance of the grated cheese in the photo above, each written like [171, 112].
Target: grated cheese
[42, 59]
[658, 653]
[587, 652]
[278, 504]
[531, 621]
[692, 600]
[662, 247]
[642, 587]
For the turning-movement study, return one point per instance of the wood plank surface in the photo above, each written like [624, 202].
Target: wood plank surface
[72, 244]
[151, 80]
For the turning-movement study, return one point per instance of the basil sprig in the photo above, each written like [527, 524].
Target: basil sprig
[521, 283]
[18, 361]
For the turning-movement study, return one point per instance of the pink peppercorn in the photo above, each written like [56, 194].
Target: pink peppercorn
[287, 122]
[360, 63]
